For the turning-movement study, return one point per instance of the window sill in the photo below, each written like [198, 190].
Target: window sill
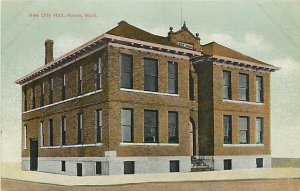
[242, 102]
[148, 92]
[71, 146]
[243, 145]
[149, 144]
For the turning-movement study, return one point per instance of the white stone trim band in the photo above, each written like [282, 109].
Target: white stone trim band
[148, 92]
[63, 101]
[72, 146]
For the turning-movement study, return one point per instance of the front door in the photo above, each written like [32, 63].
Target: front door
[33, 155]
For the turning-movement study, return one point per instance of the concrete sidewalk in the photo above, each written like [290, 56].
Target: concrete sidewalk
[13, 171]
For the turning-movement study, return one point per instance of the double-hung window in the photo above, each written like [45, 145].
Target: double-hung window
[244, 130]
[63, 86]
[173, 127]
[33, 97]
[98, 74]
[25, 100]
[150, 75]
[191, 87]
[98, 125]
[50, 131]
[79, 80]
[150, 126]
[127, 125]
[63, 130]
[126, 73]
[226, 91]
[259, 89]
[42, 133]
[51, 91]
[227, 129]
[172, 77]
[79, 128]
[243, 87]
[259, 127]
[42, 98]
[25, 137]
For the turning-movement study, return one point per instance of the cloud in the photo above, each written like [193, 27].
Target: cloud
[249, 42]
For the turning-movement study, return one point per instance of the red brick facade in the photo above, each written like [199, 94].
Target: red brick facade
[205, 112]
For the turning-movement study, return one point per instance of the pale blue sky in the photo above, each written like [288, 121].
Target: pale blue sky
[266, 30]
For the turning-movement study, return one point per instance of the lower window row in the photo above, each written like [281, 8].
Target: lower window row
[129, 167]
[228, 163]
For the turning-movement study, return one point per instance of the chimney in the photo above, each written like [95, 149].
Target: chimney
[48, 51]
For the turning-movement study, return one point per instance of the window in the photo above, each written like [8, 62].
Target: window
[42, 100]
[98, 74]
[150, 75]
[227, 129]
[244, 130]
[63, 87]
[259, 89]
[191, 87]
[226, 85]
[32, 98]
[173, 77]
[63, 130]
[63, 166]
[42, 133]
[79, 80]
[174, 166]
[98, 168]
[259, 163]
[173, 127]
[79, 128]
[98, 125]
[126, 122]
[51, 91]
[50, 132]
[243, 87]
[128, 167]
[259, 130]
[25, 100]
[150, 126]
[25, 137]
[227, 164]
[126, 71]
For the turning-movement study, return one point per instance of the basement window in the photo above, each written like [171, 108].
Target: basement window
[129, 167]
[174, 166]
[63, 166]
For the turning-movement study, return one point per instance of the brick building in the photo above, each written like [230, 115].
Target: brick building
[130, 102]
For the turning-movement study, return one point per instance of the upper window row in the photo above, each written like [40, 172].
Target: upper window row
[150, 74]
[79, 80]
[243, 87]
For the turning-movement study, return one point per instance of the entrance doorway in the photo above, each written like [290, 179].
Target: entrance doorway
[192, 131]
[33, 155]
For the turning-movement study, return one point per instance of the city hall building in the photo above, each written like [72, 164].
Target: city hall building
[131, 102]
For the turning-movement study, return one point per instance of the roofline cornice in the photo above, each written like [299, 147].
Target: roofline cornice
[235, 63]
[95, 45]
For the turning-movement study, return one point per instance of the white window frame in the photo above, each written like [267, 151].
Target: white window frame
[98, 77]
[25, 136]
[98, 117]
[41, 133]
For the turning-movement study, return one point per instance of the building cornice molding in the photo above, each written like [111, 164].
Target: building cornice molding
[97, 44]
[235, 63]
